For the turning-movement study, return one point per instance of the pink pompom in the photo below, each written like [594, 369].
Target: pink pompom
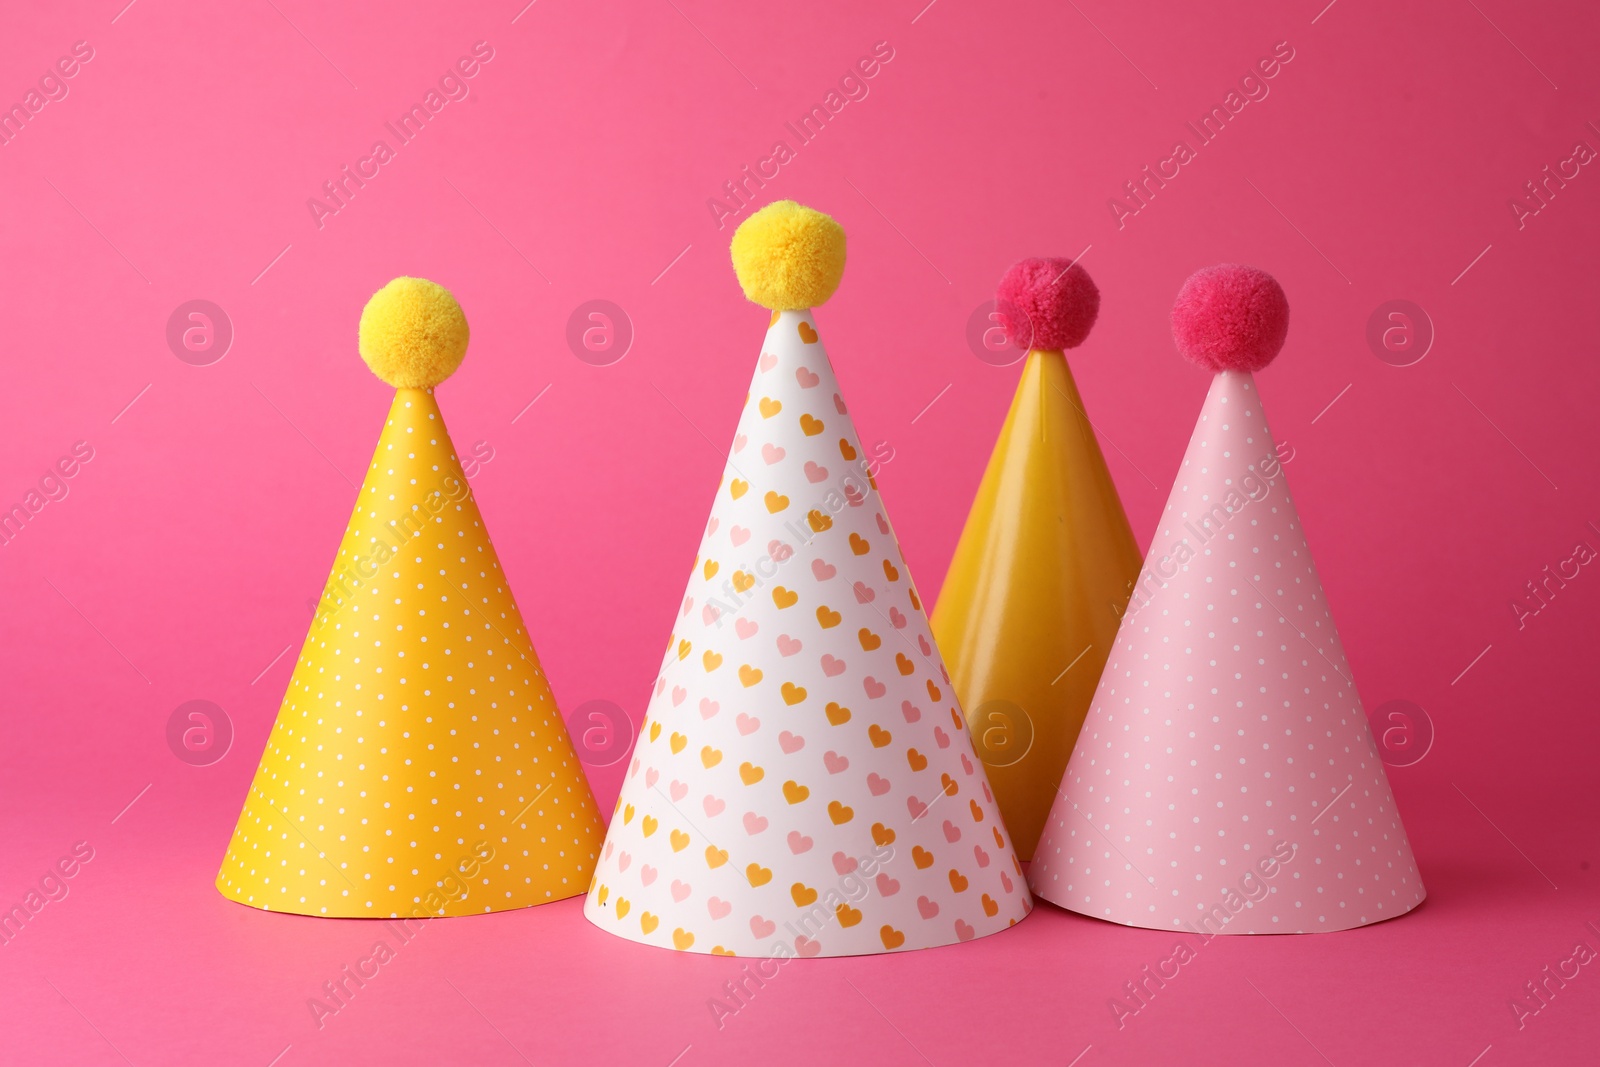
[1049, 304]
[1230, 317]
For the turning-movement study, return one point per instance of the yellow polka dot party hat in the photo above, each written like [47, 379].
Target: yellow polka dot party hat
[418, 766]
[803, 783]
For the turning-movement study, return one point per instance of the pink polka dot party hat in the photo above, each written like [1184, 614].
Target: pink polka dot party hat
[803, 783]
[1225, 780]
[418, 766]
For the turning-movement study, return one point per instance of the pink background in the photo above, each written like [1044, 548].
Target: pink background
[182, 561]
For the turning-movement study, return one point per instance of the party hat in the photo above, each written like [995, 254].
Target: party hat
[1044, 567]
[1225, 780]
[803, 783]
[418, 765]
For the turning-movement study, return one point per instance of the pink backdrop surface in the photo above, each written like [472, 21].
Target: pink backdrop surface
[1380, 165]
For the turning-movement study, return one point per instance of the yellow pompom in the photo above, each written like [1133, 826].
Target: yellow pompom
[413, 333]
[788, 257]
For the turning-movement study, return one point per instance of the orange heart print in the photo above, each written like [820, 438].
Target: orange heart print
[843, 755]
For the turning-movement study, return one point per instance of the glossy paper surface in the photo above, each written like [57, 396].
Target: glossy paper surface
[1032, 600]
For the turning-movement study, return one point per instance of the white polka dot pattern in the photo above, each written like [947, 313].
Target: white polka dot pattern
[1226, 779]
[418, 765]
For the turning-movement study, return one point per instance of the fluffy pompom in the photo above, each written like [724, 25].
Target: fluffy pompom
[788, 257]
[413, 333]
[1057, 300]
[1230, 317]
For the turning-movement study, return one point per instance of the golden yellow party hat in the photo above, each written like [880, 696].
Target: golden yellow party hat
[1045, 565]
[418, 765]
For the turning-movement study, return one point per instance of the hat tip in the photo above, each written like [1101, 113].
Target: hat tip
[413, 334]
[788, 257]
[1053, 300]
[1230, 317]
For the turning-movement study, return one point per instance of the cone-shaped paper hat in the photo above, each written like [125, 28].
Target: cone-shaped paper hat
[1031, 603]
[803, 783]
[418, 765]
[1225, 780]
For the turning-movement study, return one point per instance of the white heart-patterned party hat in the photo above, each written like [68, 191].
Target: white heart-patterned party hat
[1225, 780]
[803, 783]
